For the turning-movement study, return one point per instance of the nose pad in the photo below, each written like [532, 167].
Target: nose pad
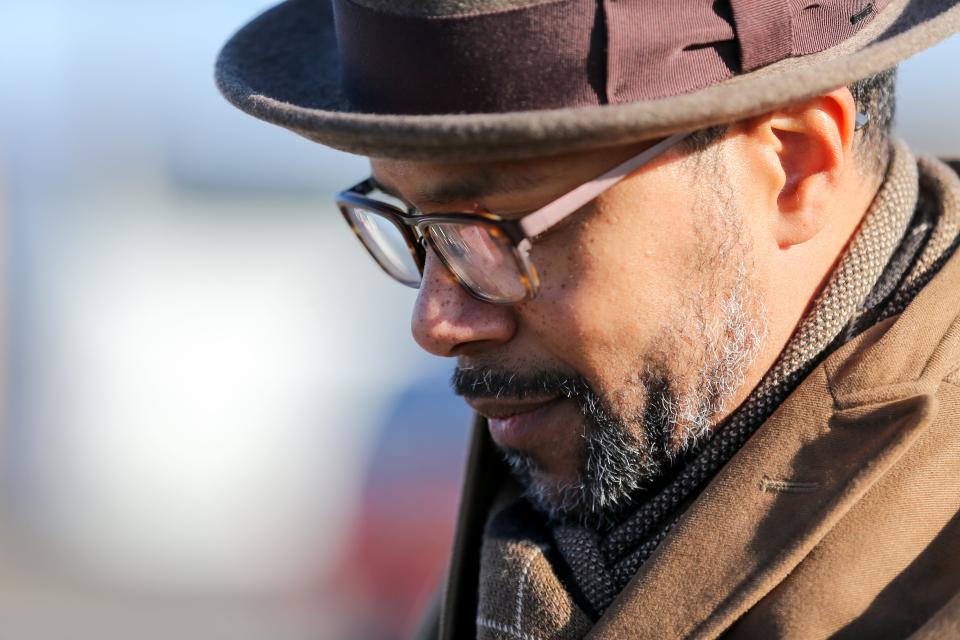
[421, 245]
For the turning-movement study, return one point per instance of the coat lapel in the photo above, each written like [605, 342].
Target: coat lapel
[769, 506]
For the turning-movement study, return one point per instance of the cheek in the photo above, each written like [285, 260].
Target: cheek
[608, 283]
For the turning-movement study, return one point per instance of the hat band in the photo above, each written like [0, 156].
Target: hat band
[574, 53]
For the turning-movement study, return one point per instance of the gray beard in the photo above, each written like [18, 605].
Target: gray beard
[623, 456]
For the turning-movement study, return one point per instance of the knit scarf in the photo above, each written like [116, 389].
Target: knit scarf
[540, 581]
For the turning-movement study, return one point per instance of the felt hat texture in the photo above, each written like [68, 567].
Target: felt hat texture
[459, 80]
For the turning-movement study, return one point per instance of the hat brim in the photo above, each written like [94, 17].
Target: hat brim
[283, 68]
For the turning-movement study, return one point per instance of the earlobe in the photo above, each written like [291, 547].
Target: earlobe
[815, 141]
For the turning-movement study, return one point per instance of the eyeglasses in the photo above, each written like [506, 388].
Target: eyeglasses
[487, 254]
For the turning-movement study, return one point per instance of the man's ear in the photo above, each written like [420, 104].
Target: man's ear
[809, 147]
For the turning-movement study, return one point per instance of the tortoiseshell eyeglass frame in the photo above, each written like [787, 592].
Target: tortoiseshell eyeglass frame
[519, 233]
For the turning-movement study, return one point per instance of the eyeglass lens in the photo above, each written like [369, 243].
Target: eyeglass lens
[478, 255]
[483, 259]
[387, 244]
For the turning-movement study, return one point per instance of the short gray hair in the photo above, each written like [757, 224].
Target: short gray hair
[874, 96]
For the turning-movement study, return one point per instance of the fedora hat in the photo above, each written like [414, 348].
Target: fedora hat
[461, 80]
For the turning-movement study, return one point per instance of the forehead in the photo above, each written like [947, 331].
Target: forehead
[426, 183]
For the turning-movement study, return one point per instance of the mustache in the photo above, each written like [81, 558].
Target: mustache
[491, 382]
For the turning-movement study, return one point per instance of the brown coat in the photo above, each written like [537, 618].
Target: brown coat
[840, 517]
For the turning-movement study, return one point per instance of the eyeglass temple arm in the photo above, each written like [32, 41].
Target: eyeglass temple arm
[541, 220]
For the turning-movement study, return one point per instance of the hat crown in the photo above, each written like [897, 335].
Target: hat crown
[446, 8]
[491, 56]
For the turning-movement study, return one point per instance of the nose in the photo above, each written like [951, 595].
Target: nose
[448, 321]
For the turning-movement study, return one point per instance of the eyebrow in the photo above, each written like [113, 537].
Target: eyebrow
[474, 186]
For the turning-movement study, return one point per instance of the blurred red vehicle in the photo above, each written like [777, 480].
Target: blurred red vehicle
[400, 541]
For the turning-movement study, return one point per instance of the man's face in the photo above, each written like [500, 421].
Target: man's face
[644, 324]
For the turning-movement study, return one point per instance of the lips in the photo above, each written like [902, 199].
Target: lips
[514, 424]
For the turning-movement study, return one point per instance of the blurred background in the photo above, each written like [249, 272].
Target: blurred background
[215, 421]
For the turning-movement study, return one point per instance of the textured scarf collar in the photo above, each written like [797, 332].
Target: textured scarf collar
[538, 581]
